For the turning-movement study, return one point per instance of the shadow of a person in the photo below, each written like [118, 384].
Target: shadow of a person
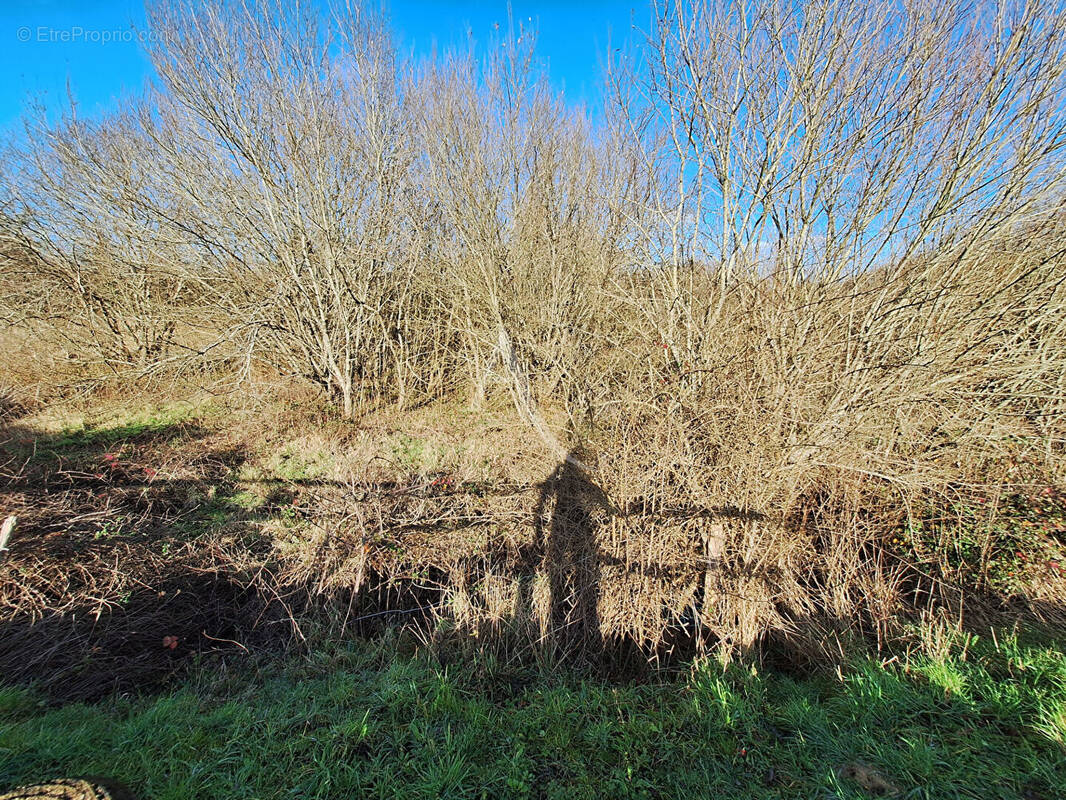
[577, 507]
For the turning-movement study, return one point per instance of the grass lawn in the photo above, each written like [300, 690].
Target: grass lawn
[368, 722]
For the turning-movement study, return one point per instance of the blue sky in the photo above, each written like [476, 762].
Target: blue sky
[44, 44]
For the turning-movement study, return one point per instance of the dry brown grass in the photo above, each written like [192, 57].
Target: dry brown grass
[263, 523]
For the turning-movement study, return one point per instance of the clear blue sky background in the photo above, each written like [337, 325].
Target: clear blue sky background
[35, 61]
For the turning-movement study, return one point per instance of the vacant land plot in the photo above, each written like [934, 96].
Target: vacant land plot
[167, 570]
[383, 421]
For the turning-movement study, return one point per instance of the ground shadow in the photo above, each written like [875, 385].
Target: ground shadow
[569, 512]
[219, 595]
[116, 577]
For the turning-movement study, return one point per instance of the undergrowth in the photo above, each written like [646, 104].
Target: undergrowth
[188, 703]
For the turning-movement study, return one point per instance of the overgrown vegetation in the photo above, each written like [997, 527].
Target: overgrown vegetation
[766, 356]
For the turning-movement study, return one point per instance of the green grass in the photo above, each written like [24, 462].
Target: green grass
[155, 420]
[367, 722]
[294, 465]
[80, 440]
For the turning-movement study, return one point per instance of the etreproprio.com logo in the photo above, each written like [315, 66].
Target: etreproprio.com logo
[77, 34]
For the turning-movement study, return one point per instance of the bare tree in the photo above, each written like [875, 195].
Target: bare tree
[305, 121]
[833, 278]
[530, 238]
[95, 267]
